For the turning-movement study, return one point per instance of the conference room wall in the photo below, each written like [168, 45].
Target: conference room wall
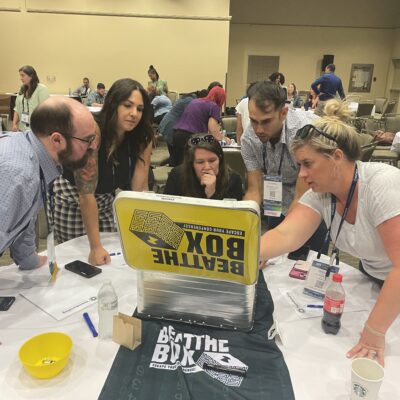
[189, 51]
[301, 50]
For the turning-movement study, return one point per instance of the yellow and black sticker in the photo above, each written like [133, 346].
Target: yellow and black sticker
[224, 246]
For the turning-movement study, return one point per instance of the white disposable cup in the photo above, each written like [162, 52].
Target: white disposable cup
[366, 379]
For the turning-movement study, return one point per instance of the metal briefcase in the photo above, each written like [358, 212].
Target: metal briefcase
[197, 259]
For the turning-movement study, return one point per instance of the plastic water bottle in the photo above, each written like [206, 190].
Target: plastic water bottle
[107, 301]
[333, 305]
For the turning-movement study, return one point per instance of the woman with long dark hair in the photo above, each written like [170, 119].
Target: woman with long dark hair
[83, 200]
[204, 173]
[30, 95]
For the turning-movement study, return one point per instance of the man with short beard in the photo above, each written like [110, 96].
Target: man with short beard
[63, 134]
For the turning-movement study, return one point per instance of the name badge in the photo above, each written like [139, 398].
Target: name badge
[318, 278]
[272, 195]
[25, 117]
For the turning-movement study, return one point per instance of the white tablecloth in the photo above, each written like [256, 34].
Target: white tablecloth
[316, 361]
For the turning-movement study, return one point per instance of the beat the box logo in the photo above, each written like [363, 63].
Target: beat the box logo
[197, 353]
[208, 247]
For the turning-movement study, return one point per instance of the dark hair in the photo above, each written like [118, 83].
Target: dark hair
[85, 79]
[190, 180]
[213, 84]
[295, 88]
[267, 91]
[100, 86]
[107, 119]
[26, 90]
[153, 71]
[46, 119]
[331, 67]
[277, 75]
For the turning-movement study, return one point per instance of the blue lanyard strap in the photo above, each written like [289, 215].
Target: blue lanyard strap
[335, 251]
[43, 190]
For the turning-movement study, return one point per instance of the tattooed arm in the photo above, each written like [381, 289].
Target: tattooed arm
[86, 182]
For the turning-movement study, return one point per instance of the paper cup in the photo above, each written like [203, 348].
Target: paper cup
[366, 379]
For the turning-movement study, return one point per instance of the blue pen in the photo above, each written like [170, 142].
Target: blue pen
[90, 324]
[315, 306]
[118, 253]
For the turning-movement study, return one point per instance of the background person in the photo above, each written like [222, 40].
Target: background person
[84, 90]
[161, 106]
[30, 95]
[312, 101]
[204, 173]
[60, 127]
[156, 86]
[326, 87]
[327, 157]
[83, 200]
[200, 115]
[96, 99]
[292, 96]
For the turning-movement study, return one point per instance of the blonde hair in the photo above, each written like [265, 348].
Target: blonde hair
[335, 124]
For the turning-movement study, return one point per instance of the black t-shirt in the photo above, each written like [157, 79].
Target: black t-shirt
[112, 176]
[174, 186]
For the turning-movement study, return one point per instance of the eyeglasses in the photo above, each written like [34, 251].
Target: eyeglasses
[306, 130]
[88, 140]
[197, 140]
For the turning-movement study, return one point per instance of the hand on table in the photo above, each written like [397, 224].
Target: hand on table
[99, 256]
[370, 346]
[209, 180]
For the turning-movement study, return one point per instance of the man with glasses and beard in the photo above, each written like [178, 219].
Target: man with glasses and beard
[62, 134]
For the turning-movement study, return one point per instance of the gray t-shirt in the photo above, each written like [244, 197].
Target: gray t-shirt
[253, 153]
[378, 201]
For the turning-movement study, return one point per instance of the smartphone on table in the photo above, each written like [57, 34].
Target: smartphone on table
[300, 270]
[6, 302]
[299, 254]
[83, 269]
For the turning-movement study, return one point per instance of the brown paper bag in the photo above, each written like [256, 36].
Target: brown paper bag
[127, 331]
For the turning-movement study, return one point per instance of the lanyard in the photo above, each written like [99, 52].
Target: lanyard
[23, 104]
[43, 190]
[280, 161]
[335, 251]
[129, 168]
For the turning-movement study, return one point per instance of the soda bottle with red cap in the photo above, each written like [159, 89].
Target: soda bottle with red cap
[333, 305]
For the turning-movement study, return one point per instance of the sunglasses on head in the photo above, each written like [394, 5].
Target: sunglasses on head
[197, 140]
[306, 130]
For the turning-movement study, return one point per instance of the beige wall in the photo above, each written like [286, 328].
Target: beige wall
[301, 50]
[186, 41]
[396, 44]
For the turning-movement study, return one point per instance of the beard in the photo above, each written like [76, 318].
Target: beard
[64, 157]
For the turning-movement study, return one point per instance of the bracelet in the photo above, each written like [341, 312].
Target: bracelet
[373, 331]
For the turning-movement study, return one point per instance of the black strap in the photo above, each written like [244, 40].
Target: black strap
[280, 161]
[44, 190]
[129, 168]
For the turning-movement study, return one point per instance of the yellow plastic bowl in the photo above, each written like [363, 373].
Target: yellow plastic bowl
[45, 355]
